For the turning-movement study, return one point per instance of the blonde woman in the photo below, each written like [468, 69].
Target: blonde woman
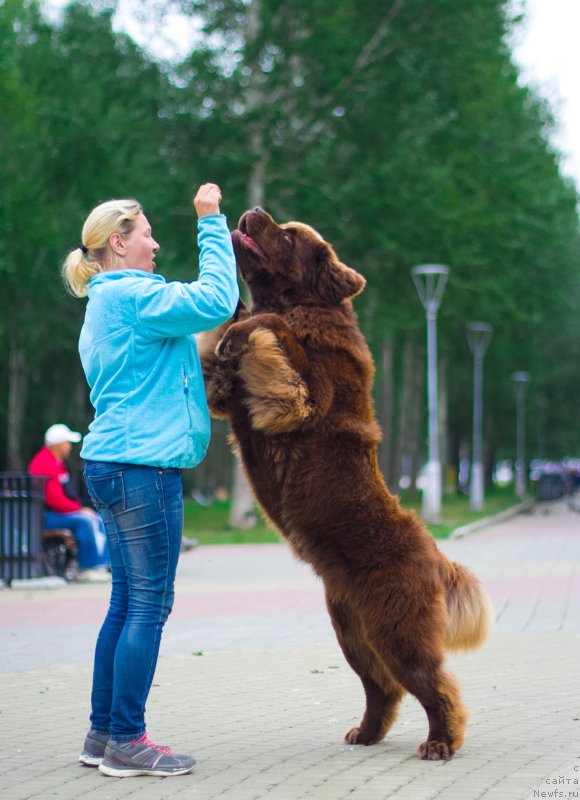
[151, 420]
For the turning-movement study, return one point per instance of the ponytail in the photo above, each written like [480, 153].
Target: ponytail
[77, 271]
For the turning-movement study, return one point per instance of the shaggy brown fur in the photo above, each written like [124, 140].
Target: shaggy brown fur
[294, 377]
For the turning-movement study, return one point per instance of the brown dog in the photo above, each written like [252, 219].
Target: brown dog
[294, 377]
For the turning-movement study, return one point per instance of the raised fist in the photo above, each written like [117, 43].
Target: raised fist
[207, 200]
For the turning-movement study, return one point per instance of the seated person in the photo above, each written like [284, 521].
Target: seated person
[62, 511]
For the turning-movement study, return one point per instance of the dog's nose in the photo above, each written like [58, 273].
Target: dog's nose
[258, 210]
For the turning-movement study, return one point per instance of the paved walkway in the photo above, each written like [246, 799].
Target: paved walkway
[252, 681]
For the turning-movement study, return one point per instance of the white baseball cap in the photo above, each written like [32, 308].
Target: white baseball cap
[59, 433]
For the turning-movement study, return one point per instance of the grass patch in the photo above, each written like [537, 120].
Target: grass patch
[209, 525]
[455, 510]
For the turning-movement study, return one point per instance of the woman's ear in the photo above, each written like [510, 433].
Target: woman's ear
[116, 244]
[336, 281]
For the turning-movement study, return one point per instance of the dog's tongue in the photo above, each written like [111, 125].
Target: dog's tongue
[248, 242]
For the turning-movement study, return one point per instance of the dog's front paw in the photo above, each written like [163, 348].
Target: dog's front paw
[434, 751]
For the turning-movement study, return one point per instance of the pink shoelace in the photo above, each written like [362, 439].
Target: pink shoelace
[145, 740]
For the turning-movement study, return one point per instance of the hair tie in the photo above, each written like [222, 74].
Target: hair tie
[84, 249]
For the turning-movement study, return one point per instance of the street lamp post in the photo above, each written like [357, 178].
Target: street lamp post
[430, 280]
[521, 380]
[478, 337]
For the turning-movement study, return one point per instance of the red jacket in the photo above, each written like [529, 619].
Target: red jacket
[47, 465]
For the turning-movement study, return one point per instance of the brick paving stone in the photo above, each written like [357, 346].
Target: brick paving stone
[264, 709]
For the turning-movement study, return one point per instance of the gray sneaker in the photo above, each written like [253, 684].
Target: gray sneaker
[94, 748]
[142, 757]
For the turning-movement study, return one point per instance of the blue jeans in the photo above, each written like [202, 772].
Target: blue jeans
[81, 524]
[142, 508]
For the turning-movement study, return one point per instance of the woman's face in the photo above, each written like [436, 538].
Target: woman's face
[140, 246]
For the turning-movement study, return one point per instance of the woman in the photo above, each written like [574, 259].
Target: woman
[151, 420]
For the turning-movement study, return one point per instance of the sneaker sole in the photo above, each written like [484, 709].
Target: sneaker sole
[90, 761]
[126, 772]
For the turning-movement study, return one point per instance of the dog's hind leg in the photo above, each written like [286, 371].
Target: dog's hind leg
[383, 693]
[439, 694]
[417, 663]
[447, 717]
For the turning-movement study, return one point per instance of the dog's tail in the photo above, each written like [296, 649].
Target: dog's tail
[471, 614]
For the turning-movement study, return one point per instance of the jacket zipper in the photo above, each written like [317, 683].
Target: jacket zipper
[186, 392]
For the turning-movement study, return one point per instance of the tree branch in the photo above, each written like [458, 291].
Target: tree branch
[365, 55]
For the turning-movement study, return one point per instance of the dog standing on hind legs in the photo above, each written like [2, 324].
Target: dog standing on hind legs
[399, 648]
[293, 374]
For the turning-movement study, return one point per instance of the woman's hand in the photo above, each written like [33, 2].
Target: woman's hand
[207, 200]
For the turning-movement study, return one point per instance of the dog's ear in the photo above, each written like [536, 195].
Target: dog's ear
[336, 281]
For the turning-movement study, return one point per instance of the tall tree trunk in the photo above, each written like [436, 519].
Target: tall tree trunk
[407, 460]
[78, 420]
[418, 410]
[447, 480]
[243, 510]
[403, 458]
[386, 454]
[17, 386]
[242, 513]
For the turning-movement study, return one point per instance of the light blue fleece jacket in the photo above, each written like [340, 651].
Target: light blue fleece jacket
[140, 357]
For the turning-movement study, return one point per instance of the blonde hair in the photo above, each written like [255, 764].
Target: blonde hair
[114, 216]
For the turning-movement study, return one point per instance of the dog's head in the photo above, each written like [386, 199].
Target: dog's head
[289, 265]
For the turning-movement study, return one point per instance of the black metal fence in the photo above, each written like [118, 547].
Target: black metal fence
[21, 525]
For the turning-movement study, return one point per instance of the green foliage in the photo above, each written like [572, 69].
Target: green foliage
[399, 130]
[86, 124]
[401, 133]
